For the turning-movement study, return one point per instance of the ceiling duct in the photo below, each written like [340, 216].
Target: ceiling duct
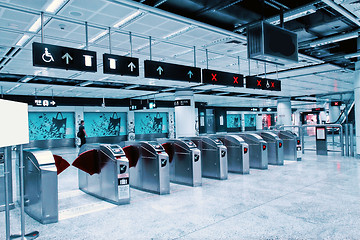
[272, 44]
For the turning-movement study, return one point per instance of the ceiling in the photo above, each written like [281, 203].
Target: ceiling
[176, 29]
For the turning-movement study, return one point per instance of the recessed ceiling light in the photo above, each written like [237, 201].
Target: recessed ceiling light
[76, 14]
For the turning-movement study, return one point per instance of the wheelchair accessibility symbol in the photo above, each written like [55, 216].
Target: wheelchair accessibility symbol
[47, 57]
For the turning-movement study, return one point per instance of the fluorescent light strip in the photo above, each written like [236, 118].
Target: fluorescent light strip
[23, 40]
[26, 79]
[35, 27]
[86, 83]
[296, 13]
[352, 55]
[334, 39]
[13, 88]
[129, 19]
[179, 32]
[55, 5]
[101, 34]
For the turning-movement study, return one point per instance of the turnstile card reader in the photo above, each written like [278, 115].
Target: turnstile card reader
[214, 162]
[321, 141]
[258, 156]
[291, 144]
[110, 172]
[149, 169]
[237, 153]
[40, 186]
[185, 162]
[275, 148]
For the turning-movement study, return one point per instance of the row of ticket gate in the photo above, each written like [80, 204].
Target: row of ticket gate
[107, 171]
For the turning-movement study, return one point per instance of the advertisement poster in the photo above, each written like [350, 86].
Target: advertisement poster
[51, 125]
[151, 122]
[105, 124]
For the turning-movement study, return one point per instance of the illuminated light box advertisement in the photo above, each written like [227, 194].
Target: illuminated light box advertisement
[51, 125]
[151, 122]
[105, 124]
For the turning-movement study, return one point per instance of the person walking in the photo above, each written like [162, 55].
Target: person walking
[82, 133]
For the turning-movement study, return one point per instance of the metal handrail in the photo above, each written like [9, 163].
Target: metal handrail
[329, 126]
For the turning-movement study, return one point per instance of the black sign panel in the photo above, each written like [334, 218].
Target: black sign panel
[222, 78]
[263, 83]
[52, 56]
[120, 65]
[337, 103]
[44, 103]
[183, 102]
[169, 71]
[317, 109]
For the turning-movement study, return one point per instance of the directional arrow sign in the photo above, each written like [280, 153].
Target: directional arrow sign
[190, 74]
[44, 103]
[67, 57]
[131, 66]
[263, 83]
[159, 70]
[120, 65]
[222, 78]
[169, 71]
[52, 56]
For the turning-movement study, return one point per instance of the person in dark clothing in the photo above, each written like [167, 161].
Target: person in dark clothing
[82, 133]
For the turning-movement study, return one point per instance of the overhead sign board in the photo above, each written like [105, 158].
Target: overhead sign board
[336, 103]
[44, 103]
[169, 71]
[222, 78]
[263, 83]
[182, 102]
[52, 56]
[120, 65]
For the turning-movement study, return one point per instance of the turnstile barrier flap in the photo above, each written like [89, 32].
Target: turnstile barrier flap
[169, 150]
[132, 155]
[60, 163]
[88, 162]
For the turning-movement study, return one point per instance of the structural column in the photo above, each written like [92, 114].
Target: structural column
[185, 114]
[334, 113]
[259, 122]
[284, 112]
[357, 105]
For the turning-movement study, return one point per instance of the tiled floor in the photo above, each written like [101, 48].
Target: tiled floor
[317, 198]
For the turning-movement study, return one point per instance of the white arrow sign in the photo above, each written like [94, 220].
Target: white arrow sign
[160, 70]
[67, 57]
[190, 74]
[132, 66]
[53, 103]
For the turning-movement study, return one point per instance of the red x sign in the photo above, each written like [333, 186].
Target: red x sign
[272, 84]
[236, 80]
[213, 77]
[258, 83]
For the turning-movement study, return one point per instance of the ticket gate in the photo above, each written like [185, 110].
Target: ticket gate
[2, 178]
[185, 162]
[149, 167]
[275, 148]
[214, 162]
[40, 186]
[258, 156]
[237, 153]
[291, 143]
[104, 172]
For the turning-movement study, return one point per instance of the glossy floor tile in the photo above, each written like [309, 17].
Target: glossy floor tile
[316, 198]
